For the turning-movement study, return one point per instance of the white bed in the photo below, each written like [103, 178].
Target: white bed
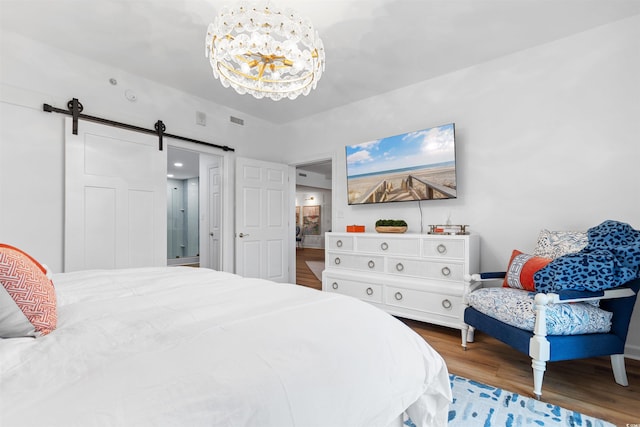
[181, 346]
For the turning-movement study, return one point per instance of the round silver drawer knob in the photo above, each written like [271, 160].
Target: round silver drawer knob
[399, 266]
[446, 271]
[442, 249]
[369, 291]
[334, 285]
[336, 261]
[398, 296]
[339, 243]
[384, 246]
[446, 304]
[371, 264]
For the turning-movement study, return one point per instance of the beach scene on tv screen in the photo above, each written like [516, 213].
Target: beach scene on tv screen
[416, 165]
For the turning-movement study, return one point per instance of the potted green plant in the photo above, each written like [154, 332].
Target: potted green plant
[391, 226]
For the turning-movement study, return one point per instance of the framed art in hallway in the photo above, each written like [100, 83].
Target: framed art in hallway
[311, 220]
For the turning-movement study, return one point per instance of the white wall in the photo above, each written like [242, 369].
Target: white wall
[546, 138]
[32, 141]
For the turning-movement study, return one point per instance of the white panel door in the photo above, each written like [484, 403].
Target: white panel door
[214, 237]
[261, 219]
[115, 198]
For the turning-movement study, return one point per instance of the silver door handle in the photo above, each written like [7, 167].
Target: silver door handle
[242, 235]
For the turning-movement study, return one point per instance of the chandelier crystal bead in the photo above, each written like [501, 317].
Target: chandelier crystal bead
[260, 50]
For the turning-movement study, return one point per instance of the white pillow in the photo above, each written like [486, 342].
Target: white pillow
[553, 244]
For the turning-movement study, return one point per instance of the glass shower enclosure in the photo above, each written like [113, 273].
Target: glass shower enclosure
[182, 222]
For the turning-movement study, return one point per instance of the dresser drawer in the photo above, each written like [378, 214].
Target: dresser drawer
[428, 302]
[341, 243]
[385, 245]
[440, 270]
[362, 290]
[371, 263]
[443, 248]
[411, 275]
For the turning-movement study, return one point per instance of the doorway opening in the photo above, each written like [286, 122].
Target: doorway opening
[313, 219]
[183, 211]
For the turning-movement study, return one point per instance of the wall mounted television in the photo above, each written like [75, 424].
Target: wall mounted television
[412, 166]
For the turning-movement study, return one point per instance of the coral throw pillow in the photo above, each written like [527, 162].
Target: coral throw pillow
[27, 296]
[521, 269]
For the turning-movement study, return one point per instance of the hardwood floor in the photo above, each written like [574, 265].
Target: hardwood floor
[304, 276]
[586, 386]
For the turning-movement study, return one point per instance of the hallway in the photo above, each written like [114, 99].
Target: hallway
[304, 275]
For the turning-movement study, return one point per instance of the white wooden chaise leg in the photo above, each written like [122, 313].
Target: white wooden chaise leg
[467, 335]
[463, 333]
[619, 370]
[539, 367]
[472, 282]
[539, 347]
[471, 334]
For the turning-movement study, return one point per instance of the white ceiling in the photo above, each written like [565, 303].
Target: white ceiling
[189, 161]
[371, 46]
[322, 168]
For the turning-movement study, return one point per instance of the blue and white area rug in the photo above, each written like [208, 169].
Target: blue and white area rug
[476, 404]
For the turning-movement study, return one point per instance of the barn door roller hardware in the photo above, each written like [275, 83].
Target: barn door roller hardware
[74, 109]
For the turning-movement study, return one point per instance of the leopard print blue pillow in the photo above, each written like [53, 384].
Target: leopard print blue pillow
[610, 259]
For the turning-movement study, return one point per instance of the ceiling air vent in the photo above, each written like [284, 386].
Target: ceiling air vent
[237, 120]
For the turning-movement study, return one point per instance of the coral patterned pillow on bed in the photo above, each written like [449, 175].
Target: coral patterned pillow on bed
[521, 269]
[27, 296]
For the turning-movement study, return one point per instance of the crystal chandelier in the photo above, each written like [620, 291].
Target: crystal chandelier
[265, 52]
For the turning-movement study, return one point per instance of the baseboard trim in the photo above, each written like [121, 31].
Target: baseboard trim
[632, 352]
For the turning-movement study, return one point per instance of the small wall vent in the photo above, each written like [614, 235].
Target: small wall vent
[302, 174]
[236, 120]
[201, 118]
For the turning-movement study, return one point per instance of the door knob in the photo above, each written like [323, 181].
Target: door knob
[242, 235]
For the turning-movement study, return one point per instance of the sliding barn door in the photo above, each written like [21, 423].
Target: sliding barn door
[115, 198]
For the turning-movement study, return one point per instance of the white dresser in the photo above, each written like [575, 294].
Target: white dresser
[417, 276]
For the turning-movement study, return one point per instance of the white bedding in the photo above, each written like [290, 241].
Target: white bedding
[192, 347]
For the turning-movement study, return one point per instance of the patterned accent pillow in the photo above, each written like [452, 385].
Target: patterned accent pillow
[554, 244]
[521, 269]
[27, 296]
[611, 259]
[515, 307]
